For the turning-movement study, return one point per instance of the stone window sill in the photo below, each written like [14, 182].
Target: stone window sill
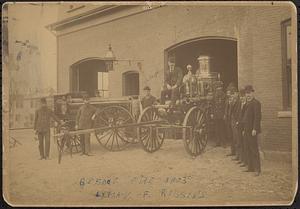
[284, 114]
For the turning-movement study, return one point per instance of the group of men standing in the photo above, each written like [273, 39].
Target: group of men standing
[84, 120]
[237, 117]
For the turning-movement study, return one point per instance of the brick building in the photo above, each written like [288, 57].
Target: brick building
[248, 45]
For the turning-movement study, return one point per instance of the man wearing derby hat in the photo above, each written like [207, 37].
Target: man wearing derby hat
[173, 80]
[148, 99]
[242, 149]
[43, 116]
[227, 121]
[233, 117]
[251, 124]
[230, 104]
[84, 120]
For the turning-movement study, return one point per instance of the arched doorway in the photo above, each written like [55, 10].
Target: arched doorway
[89, 75]
[131, 84]
[222, 50]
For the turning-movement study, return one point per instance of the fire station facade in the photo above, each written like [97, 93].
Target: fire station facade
[247, 44]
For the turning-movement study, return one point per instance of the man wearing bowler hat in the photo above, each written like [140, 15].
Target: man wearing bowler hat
[241, 146]
[173, 81]
[148, 99]
[251, 124]
[84, 120]
[42, 120]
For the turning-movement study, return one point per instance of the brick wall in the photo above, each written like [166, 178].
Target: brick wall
[267, 74]
[146, 35]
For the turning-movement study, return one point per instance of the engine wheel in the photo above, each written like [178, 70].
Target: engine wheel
[150, 136]
[195, 137]
[114, 138]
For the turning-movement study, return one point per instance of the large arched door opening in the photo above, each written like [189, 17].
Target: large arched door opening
[91, 76]
[131, 84]
[223, 52]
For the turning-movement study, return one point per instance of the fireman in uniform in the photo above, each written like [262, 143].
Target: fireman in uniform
[43, 116]
[173, 81]
[84, 120]
[227, 121]
[241, 148]
[252, 127]
[148, 99]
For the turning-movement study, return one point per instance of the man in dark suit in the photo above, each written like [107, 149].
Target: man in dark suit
[251, 123]
[218, 114]
[173, 81]
[241, 146]
[84, 120]
[230, 105]
[43, 116]
[148, 99]
[233, 114]
[227, 121]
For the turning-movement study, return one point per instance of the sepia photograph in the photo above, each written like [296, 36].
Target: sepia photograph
[167, 103]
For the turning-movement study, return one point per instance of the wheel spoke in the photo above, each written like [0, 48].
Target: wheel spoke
[126, 132]
[148, 117]
[201, 119]
[106, 122]
[148, 139]
[113, 139]
[103, 135]
[120, 136]
[156, 141]
[109, 138]
[118, 144]
[151, 142]
[128, 119]
[198, 146]
[144, 137]
[153, 115]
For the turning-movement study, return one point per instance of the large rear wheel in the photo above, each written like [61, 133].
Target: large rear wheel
[115, 138]
[151, 136]
[195, 133]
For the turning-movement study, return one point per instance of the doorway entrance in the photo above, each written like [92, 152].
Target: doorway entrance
[223, 53]
[89, 75]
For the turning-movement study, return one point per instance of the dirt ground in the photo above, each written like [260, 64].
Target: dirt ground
[132, 176]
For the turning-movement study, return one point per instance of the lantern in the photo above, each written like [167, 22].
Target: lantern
[109, 59]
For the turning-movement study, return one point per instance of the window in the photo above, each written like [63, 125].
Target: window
[286, 64]
[103, 84]
[131, 83]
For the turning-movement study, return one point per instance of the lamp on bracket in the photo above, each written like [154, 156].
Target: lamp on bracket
[109, 59]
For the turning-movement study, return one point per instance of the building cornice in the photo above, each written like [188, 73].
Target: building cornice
[62, 24]
[98, 16]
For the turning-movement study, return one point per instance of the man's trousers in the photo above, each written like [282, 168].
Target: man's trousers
[253, 152]
[220, 131]
[85, 142]
[44, 143]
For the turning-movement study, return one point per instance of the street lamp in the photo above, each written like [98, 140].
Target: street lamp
[109, 59]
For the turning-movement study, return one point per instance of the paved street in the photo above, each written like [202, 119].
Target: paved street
[168, 176]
